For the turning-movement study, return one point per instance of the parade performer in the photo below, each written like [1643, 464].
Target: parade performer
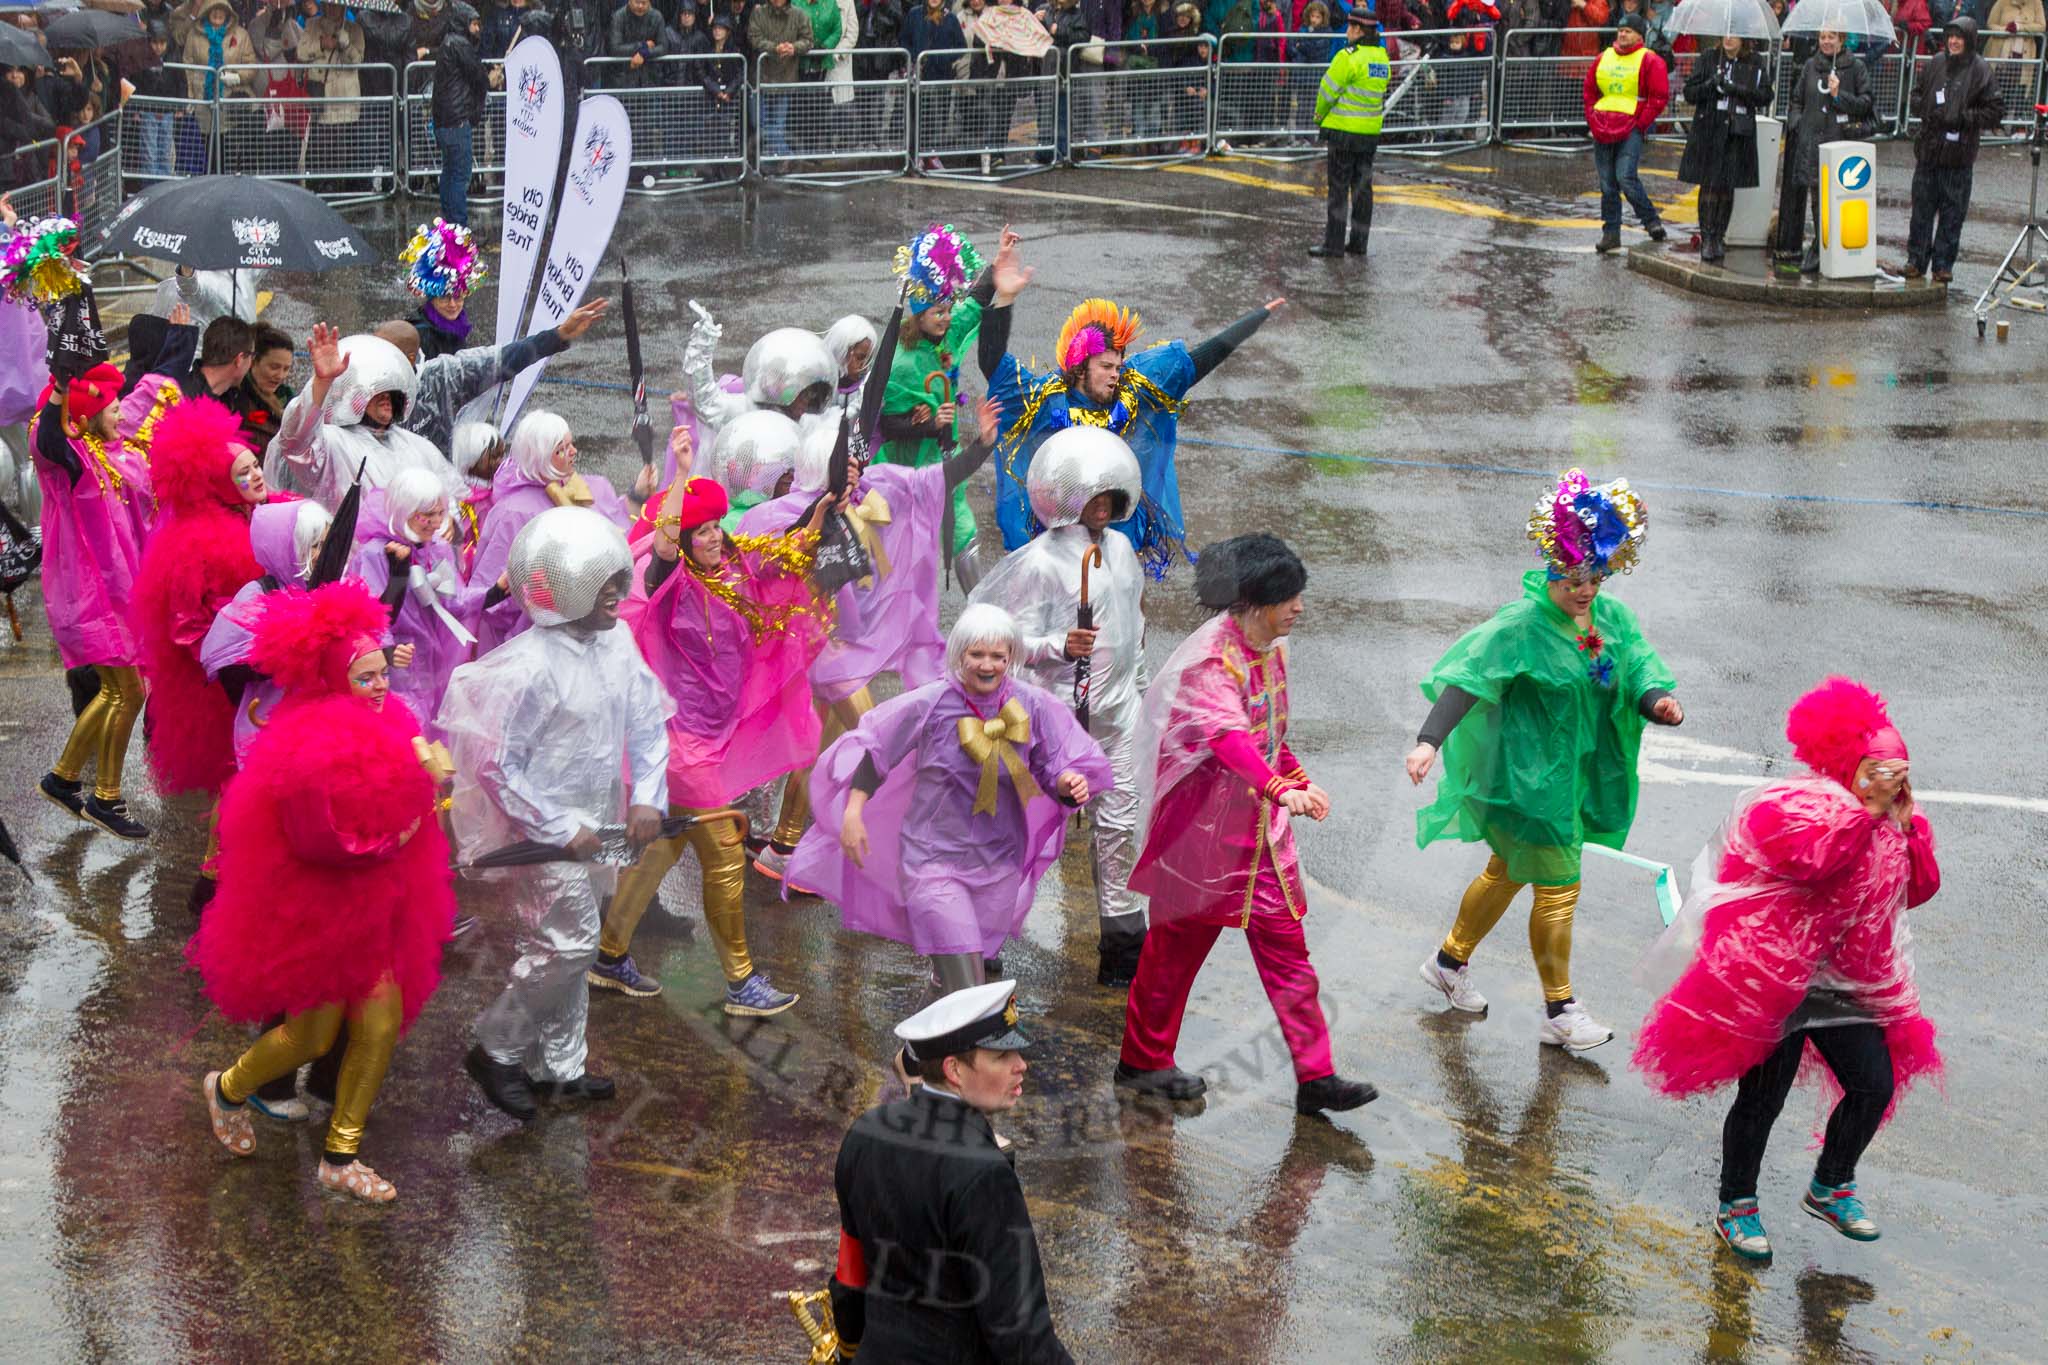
[197, 558]
[538, 472]
[1081, 480]
[1220, 788]
[347, 422]
[335, 894]
[888, 620]
[455, 386]
[731, 628]
[939, 812]
[938, 1261]
[1100, 383]
[94, 509]
[754, 460]
[557, 735]
[1795, 960]
[442, 268]
[1539, 712]
[941, 319]
[788, 370]
[403, 555]
[477, 452]
[285, 538]
[852, 341]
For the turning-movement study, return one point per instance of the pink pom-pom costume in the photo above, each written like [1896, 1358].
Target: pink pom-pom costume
[1798, 961]
[335, 892]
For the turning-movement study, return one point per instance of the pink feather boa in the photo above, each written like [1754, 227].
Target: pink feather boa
[333, 871]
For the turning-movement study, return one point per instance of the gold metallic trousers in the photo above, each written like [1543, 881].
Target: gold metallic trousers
[722, 858]
[101, 732]
[839, 717]
[1550, 924]
[372, 1034]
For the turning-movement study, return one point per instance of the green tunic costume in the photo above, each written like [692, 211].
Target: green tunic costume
[911, 383]
[1545, 761]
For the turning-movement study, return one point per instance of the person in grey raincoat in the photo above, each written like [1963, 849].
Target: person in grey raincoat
[556, 734]
[449, 383]
[1830, 101]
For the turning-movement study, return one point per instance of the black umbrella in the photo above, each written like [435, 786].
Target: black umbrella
[19, 47]
[643, 429]
[226, 222]
[84, 28]
[10, 852]
[613, 848]
[341, 535]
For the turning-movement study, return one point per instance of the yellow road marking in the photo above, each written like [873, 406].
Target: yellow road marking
[1423, 197]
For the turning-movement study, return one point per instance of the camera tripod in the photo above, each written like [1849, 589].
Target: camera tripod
[2032, 235]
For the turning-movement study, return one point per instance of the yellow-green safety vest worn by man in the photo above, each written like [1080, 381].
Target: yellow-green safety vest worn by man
[1350, 107]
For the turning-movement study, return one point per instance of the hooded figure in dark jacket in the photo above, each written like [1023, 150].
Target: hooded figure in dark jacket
[1728, 87]
[1830, 101]
[1956, 101]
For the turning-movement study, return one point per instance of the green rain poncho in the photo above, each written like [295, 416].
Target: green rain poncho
[1545, 760]
[911, 383]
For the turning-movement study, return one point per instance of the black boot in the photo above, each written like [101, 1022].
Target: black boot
[1325, 249]
[1809, 260]
[504, 1086]
[1117, 964]
[584, 1087]
[1609, 241]
[1170, 1083]
[1356, 246]
[1333, 1093]
[1657, 232]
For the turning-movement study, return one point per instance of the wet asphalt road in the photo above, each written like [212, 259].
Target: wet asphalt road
[1827, 493]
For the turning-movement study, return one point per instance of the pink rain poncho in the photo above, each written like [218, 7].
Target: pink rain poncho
[891, 626]
[1213, 730]
[734, 648]
[1802, 910]
[938, 876]
[439, 613]
[92, 545]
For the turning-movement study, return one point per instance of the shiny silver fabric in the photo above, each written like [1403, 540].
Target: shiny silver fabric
[753, 452]
[814, 454]
[1075, 464]
[1113, 817]
[374, 366]
[539, 1020]
[561, 559]
[785, 362]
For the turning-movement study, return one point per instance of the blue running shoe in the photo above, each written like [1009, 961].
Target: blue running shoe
[1742, 1228]
[1839, 1208]
[756, 998]
[622, 976]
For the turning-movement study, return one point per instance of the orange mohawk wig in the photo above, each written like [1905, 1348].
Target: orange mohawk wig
[1096, 326]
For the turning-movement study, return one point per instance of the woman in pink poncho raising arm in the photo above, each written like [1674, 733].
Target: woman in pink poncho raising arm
[1798, 959]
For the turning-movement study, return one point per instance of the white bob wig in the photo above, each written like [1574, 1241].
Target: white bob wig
[309, 532]
[983, 623]
[532, 447]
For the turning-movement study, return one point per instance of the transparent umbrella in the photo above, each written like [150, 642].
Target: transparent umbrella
[1721, 18]
[1867, 17]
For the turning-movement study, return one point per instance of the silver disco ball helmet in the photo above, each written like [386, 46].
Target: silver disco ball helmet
[753, 451]
[785, 362]
[374, 366]
[560, 560]
[1074, 465]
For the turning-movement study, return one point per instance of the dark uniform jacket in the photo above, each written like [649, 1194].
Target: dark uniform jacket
[1957, 101]
[953, 1276]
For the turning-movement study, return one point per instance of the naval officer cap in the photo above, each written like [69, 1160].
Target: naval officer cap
[980, 1016]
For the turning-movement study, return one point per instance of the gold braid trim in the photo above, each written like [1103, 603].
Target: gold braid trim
[168, 396]
[470, 528]
[794, 554]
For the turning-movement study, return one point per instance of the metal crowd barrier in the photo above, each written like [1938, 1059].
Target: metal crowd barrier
[1145, 111]
[1266, 106]
[834, 132]
[90, 178]
[685, 136]
[165, 137]
[983, 127]
[2018, 79]
[1542, 98]
[37, 196]
[1887, 90]
[1439, 100]
[342, 147]
[423, 153]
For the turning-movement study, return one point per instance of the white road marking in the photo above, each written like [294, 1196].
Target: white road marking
[1662, 751]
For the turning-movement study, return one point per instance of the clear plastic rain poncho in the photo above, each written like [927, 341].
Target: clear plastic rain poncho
[318, 453]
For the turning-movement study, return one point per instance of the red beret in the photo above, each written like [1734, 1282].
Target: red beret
[91, 393]
[703, 500]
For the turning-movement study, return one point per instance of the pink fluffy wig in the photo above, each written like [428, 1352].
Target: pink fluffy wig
[1837, 725]
[305, 641]
[195, 445]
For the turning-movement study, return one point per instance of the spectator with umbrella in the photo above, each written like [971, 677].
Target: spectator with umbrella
[1830, 100]
[1727, 88]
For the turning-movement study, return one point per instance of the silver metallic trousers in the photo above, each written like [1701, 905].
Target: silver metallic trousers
[1113, 815]
[538, 1020]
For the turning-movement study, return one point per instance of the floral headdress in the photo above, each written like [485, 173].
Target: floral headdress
[1096, 326]
[441, 261]
[936, 264]
[37, 267]
[1579, 528]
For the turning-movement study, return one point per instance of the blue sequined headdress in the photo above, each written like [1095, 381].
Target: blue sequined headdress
[1579, 528]
[936, 264]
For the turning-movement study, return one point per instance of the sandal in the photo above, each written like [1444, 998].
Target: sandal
[230, 1124]
[357, 1181]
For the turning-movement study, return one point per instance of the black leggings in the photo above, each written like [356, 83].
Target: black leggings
[1861, 1061]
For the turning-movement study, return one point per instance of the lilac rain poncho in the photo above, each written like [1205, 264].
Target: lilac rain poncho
[282, 536]
[438, 614]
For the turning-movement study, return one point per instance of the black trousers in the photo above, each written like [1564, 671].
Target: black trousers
[1716, 207]
[1861, 1061]
[1941, 197]
[1350, 164]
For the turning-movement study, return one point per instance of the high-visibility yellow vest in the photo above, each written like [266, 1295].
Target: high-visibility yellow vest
[1353, 96]
[1617, 76]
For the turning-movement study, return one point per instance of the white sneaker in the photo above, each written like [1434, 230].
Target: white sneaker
[1457, 986]
[1573, 1028]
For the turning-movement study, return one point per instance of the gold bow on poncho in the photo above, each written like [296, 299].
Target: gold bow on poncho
[866, 517]
[570, 492]
[989, 742]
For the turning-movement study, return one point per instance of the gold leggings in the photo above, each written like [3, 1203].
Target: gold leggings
[722, 858]
[101, 731]
[1550, 924]
[839, 717]
[373, 1025]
